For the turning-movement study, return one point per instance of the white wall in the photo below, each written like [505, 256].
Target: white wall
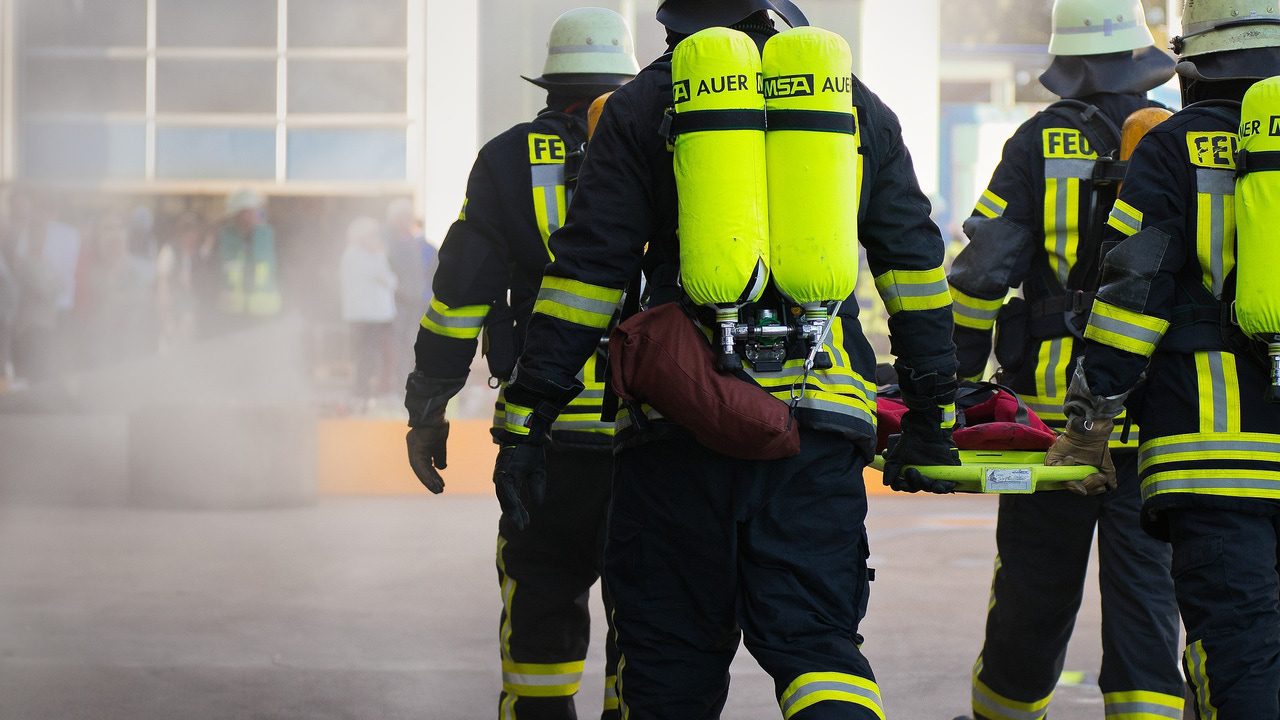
[900, 49]
[8, 161]
[451, 116]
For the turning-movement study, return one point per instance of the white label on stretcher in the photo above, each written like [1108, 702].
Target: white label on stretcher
[1008, 480]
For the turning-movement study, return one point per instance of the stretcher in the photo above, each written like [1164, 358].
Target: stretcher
[1010, 472]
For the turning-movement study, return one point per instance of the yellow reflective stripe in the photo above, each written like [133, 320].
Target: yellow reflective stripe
[949, 416]
[508, 587]
[995, 706]
[1245, 445]
[463, 323]
[1218, 388]
[542, 679]
[812, 688]
[972, 312]
[462, 214]
[991, 599]
[1197, 664]
[611, 692]
[914, 290]
[1124, 329]
[1125, 218]
[1262, 484]
[516, 418]
[1142, 705]
[1051, 369]
[991, 205]
[577, 302]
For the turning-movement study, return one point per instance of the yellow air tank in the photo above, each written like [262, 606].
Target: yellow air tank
[814, 166]
[1257, 219]
[720, 174]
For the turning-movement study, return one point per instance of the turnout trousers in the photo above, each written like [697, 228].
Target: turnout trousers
[1043, 541]
[545, 573]
[705, 549]
[1225, 566]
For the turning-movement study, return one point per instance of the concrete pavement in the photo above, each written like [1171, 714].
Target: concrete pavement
[385, 608]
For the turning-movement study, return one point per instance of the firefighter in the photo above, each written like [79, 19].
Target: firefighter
[490, 265]
[1209, 460]
[1039, 226]
[705, 547]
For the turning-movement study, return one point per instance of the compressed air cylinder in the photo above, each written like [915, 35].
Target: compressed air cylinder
[813, 165]
[1258, 213]
[720, 168]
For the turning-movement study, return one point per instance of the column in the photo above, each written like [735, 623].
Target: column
[451, 114]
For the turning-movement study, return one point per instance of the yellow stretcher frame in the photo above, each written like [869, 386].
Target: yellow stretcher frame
[1002, 472]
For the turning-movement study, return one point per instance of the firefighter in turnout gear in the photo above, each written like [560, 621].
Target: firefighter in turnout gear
[1209, 460]
[490, 268]
[706, 547]
[1039, 226]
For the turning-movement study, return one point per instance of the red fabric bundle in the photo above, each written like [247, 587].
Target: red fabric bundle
[989, 417]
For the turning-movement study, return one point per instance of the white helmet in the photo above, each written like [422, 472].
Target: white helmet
[1097, 27]
[590, 49]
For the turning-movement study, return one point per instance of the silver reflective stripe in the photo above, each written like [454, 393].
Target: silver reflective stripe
[1063, 169]
[537, 680]
[577, 302]
[1051, 369]
[1126, 219]
[989, 204]
[1107, 27]
[827, 378]
[1219, 376]
[975, 313]
[581, 426]
[1141, 708]
[826, 686]
[1215, 182]
[1218, 185]
[810, 403]
[1193, 484]
[455, 322]
[568, 49]
[899, 290]
[549, 178]
[1129, 330]
[1197, 446]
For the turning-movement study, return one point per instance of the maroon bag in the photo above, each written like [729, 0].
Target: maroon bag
[990, 417]
[660, 358]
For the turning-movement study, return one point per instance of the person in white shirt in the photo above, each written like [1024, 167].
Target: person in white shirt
[368, 305]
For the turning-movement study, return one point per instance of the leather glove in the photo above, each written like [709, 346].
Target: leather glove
[426, 399]
[1086, 443]
[520, 474]
[520, 480]
[427, 452]
[1087, 439]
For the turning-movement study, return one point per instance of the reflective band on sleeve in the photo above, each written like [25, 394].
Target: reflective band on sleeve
[541, 679]
[991, 205]
[972, 312]
[914, 290]
[1125, 218]
[611, 693]
[995, 706]
[1196, 662]
[463, 323]
[517, 418]
[1142, 705]
[948, 416]
[812, 688]
[1124, 329]
[577, 302]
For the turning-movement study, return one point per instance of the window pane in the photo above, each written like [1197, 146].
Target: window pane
[346, 155]
[216, 153]
[77, 85]
[76, 23]
[83, 151]
[342, 23]
[339, 86]
[220, 23]
[240, 86]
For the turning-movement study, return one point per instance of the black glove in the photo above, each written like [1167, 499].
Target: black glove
[520, 474]
[926, 433]
[426, 399]
[427, 452]
[520, 480]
